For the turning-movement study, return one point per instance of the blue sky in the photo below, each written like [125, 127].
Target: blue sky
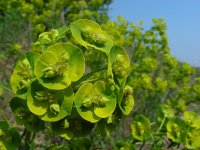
[182, 17]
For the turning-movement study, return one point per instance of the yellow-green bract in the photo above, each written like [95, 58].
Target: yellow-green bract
[89, 34]
[49, 105]
[95, 101]
[141, 128]
[176, 129]
[120, 62]
[126, 101]
[59, 65]
[23, 74]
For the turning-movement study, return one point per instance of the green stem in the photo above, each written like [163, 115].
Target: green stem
[27, 139]
[83, 78]
[91, 80]
[4, 116]
[163, 121]
[142, 145]
[23, 134]
[7, 89]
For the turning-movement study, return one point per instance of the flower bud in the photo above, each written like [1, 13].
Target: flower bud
[55, 108]
[86, 103]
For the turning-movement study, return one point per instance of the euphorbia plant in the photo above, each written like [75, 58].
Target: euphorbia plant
[53, 88]
[59, 91]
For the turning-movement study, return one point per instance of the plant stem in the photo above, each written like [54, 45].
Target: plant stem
[161, 125]
[7, 89]
[142, 145]
[83, 78]
[4, 116]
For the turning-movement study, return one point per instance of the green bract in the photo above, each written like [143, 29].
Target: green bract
[166, 111]
[141, 128]
[192, 119]
[23, 74]
[60, 65]
[24, 117]
[176, 129]
[95, 101]
[120, 61]
[126, 101]
[47, 38]
[49, 105]
[89, 33]
[192, 139]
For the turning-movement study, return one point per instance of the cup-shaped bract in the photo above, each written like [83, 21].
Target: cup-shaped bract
[95, 101]
[24, 117]
[9, 137]
[176, 130]
[126, 101]
[192, 138]
[141, 128]
[120, 61]
[23, 74]
[89, 34]
[49, 105]
[60, 65]
[192, 119]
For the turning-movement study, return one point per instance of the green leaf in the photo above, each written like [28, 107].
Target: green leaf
[41, 101]
[23, 74]
[9, 139]
[71, 127]
[60, 65]
[4, 125]
[192, 119]
[89, 34]
[141, 128]
[107, 125]
[176, 130]
[61, 129]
